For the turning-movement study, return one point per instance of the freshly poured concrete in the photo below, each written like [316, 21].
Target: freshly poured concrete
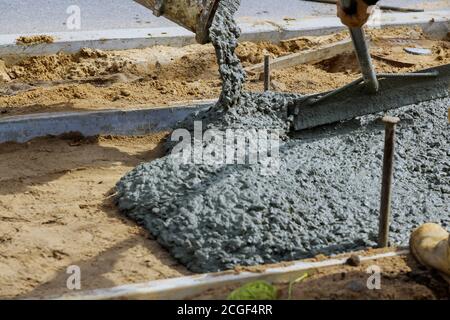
[224, 35]
[324, 197]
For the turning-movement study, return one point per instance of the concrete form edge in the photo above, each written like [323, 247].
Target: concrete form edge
[107, 122]
[189, 286]
[120, 39]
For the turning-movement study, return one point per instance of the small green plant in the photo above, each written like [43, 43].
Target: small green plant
[292, 283]
[258, 290]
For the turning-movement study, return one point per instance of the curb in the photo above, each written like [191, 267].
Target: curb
[252, 30]
[109, 122]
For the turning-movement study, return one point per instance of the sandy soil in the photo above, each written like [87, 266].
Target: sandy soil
[157, 76]
[32, 40]
[401, 278]
[55, 211]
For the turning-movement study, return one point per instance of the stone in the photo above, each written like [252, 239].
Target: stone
[278, 86]
[354, 261]
[4, 77]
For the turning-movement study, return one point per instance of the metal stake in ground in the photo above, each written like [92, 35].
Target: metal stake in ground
[388, 160]
[266, 73]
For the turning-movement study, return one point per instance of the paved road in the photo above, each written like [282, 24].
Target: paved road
[36, 16]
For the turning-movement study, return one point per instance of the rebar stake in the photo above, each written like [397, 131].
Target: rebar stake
[266, 73]
[388, 160]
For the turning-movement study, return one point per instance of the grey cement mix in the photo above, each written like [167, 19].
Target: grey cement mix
[224, 34]
[324, 197]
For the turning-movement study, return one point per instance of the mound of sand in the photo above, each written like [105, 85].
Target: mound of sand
[86, 63]
[32, 40]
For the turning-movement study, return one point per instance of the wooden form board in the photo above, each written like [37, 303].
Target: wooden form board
[309, 56]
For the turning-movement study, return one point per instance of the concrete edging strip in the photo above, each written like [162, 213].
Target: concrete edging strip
[189, 286]
[107, 122]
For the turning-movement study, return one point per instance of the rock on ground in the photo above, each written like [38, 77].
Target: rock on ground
[4, 77]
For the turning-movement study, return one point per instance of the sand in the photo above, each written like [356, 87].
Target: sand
[402, 278]
[32, 40]
[55, 211]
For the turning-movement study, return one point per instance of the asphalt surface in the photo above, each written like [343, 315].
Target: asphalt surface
[36, 16]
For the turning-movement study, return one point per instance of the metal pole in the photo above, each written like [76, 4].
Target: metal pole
[364, 59]
[433, 73]
[266, 73]
[362, 53]
[388, 160]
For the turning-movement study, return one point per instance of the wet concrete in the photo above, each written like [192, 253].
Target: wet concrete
[224, 34]
[322, 198]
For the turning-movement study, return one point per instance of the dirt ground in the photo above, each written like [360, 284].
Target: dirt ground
[34, 40]
[402, 278]
[56, 211]
[156, 76]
